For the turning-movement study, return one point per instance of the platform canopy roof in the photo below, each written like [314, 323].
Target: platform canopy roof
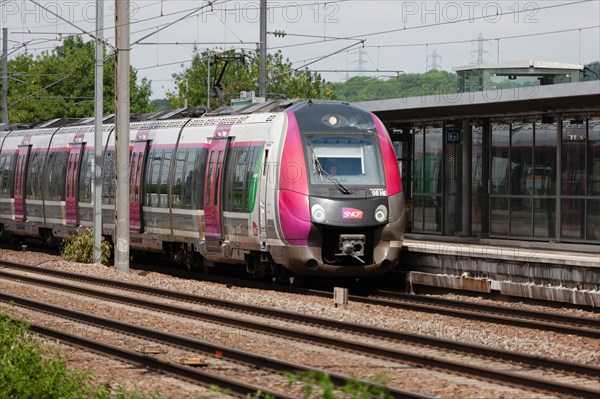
[523, 64]
[568, 98]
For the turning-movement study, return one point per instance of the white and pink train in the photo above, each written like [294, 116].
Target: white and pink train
[300, 188]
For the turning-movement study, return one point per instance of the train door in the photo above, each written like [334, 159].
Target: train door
[20, 180]
[213, 184]
[263, 196]
[137, 162]
[72, 183]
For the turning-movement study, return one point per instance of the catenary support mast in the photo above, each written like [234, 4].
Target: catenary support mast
[122, 103]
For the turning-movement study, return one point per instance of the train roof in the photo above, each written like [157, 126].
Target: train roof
[179, 113]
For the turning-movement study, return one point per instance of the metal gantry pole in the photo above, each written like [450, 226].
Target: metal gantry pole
[98, 116]
[262, 88]
[208, 91]
[5, 76]
[122, 98]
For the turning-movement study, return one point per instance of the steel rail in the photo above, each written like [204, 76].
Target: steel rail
[188, 373]
[225, 352]
[379, 351]
[584, 322]
[580, 326]
[473, 349]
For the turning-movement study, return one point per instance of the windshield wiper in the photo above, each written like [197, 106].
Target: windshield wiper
[322, 173]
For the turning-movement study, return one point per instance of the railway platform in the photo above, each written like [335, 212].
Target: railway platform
[567, 273]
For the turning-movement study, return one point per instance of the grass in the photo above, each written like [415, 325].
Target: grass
[30, 370]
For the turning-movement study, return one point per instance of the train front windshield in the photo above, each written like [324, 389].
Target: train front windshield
[340, 144]
[349, 160]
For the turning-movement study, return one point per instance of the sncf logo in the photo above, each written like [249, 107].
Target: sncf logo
[351, 213]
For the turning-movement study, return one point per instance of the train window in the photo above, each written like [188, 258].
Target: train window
[153, 183]
[184, 178]
[210, 174]
[164, 178]
[7, 167]
[352, 160]
[217, 180]
[35, 176]
[55, 175]
[108, 181]
[85, 178]
[198, 178]
[178, 182]
[241, 177]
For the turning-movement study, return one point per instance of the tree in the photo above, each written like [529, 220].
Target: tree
[282, 80]
[363, 88]
[60, 84]
[592, 71]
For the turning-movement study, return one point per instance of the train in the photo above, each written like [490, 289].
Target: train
[281, 188]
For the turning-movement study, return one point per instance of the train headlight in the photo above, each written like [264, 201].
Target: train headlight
[318, 213]
[381, 213]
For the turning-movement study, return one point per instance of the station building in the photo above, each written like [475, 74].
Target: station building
[510, 161]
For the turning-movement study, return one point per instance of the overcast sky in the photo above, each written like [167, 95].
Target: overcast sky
[349, 37]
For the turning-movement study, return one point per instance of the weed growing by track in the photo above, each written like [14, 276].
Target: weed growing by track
[29, 370]
[80, 248]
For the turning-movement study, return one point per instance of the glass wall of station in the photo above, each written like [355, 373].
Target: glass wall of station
[427, 180]
[531, 180]
[544, 180]
[580, 180]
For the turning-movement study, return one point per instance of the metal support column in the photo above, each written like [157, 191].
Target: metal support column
[5, 76]
[98, 116]
[262, 89]
[467, 178]
[122, 99]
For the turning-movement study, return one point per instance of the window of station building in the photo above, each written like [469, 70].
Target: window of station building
[241, 174]
[477, 186]
[573, 178]
[500, 179]
[580, 201]
[500, 170]
[427, 180]
[523, 179]
[543, 180]
[593, 204]
[521, 174]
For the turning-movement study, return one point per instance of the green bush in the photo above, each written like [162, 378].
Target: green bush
[318, 386]
[80, 248]
[30, 371]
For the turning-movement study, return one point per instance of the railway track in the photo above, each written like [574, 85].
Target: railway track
[151, 362]
[388, 348]
[224, 353]
[497, 314]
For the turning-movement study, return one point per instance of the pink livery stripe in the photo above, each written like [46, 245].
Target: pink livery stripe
[390, 164]
[294, 213]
